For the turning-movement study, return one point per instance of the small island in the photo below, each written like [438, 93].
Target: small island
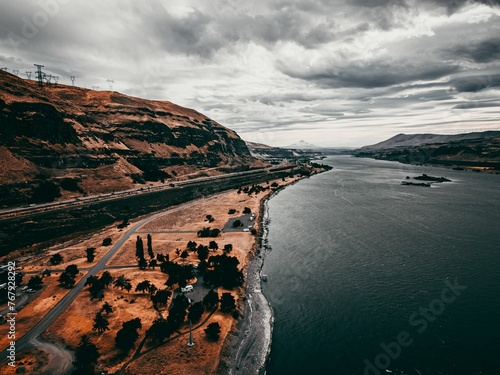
[424, 177]
[406, 183]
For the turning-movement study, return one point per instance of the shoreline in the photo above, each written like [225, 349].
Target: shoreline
[250, 349]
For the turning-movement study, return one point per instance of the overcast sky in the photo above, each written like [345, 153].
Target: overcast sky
[330, 72]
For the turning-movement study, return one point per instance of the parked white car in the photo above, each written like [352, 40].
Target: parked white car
[187, 289]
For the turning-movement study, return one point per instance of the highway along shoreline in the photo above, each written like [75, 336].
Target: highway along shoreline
[46, 228]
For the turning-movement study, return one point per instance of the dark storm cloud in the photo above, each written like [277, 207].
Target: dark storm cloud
[484, 51]
[371, 74]
[453, 5]
[475, 83]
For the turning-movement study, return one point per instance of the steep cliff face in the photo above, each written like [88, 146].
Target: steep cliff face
[103, 141]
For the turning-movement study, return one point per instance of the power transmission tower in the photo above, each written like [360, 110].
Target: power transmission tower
[110, 81]
[5, 69]
[72, 80]
[39, 74]
[48, 78]
[16, 72]
[28, 74]
[56, 78]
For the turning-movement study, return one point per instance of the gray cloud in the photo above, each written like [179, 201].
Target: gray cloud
[370, 74]
[275, 67]
[483, 51]
[475, 83]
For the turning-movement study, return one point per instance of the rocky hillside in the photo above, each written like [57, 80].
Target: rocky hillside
[63, 141]
[477, 151]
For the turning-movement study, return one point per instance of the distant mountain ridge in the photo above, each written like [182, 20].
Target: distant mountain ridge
[302, 145]
[401, 140]
[477, 151]
[85, 142]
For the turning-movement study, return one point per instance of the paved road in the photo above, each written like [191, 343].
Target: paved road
[120, 194]
[53, 314]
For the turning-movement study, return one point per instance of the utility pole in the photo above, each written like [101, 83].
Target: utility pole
[28, 74]
[39, 74]
[190, 340]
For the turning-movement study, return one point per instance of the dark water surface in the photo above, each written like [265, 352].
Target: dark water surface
[359, 261]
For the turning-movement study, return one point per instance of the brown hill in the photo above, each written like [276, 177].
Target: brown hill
[476, 151]
[76, 141]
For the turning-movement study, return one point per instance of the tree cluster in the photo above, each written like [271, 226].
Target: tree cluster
[177, 273]
[67, 278]
[223, 271]
[208, 232]
[128, 335]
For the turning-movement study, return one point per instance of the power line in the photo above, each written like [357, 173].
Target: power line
[39, 74]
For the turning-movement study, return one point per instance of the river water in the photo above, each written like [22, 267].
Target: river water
[366, 276]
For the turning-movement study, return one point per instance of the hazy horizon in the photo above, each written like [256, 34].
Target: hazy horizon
[335, 74]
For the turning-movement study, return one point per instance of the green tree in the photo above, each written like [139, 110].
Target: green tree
[72, 269]
[97, 290]
[227, 302]
[107, 308]
[195, 312]
[106, 278]
[160, 330]
[86, 357]
[237, 224]
[212, 245]
[211, 299]
[35, 282]
[122, 282]
[56, 259]
[213, 331]
[128, 335]
[184, 254]
[101, 323]
[142, 263]
[66, 279]
[139, 248]
[247, 210]
[228, 248]
[203, 252]
[107, 241]
[90, 252]
[143, 286]
[161, 297]
[150, 247]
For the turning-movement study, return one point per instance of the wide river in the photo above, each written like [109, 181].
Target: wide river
[367, 276]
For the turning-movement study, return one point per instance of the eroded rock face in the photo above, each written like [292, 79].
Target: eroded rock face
[107, 140]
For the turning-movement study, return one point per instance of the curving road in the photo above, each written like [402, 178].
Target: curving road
[53, 314]
[60, 359]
